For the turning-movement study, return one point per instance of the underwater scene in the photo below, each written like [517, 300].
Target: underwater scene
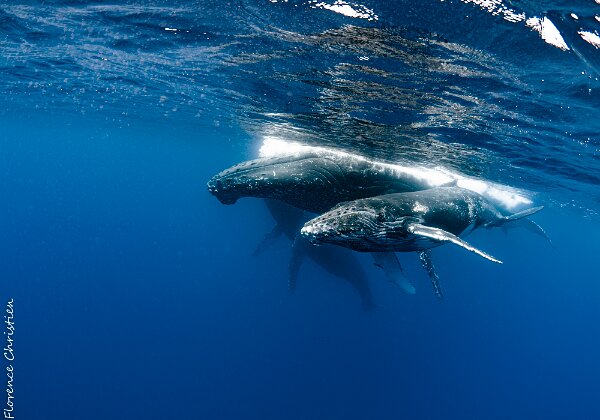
[281, 209]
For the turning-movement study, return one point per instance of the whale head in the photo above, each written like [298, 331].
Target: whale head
[361, 225]
[305, 181]
[261, 178]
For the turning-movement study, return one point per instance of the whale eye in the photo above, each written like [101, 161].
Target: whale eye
[381, 217]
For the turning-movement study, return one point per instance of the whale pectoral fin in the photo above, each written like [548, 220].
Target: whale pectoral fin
[427, 263]
[443, 236]
[295, 264]
[390, 265]
[268, 240]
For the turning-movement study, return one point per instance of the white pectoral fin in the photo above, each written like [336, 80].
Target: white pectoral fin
[425, 257]
[443, 236]
[390, 265]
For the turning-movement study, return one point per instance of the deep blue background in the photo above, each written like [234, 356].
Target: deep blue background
[136, 297]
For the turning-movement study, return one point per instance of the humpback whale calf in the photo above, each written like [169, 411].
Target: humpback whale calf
[413, 221]
[337, 261]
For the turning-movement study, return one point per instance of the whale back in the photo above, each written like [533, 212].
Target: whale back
[310, 181]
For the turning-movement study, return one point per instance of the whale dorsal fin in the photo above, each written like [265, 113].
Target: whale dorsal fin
[427, 263]
[443, 236]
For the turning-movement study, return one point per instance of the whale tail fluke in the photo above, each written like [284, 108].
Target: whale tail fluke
[532, 226]
[520, 220]
[522, 214]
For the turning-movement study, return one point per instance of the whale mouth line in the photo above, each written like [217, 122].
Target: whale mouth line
[227, 200]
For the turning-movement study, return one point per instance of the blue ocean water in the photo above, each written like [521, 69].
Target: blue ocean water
[135, 292]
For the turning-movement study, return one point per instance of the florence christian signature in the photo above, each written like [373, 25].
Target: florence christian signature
[9, 355]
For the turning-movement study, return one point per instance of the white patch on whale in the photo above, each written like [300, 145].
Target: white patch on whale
[420, 208]
[503, 196]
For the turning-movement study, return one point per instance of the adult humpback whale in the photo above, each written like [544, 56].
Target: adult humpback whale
[310, 180]
[337, 261]
[414, 221]
[316, 178]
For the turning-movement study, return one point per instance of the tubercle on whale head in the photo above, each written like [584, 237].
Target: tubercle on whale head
[310, 231]
[217, 187]
[317, 230]
[251, 178]
[342, 225]
[213, 185]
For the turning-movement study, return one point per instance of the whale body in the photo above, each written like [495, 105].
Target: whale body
[311, 180]
[405, 222]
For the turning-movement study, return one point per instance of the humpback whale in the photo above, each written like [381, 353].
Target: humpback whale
[310, 180]
[413, 221]
[315, 179]
[336, 261]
